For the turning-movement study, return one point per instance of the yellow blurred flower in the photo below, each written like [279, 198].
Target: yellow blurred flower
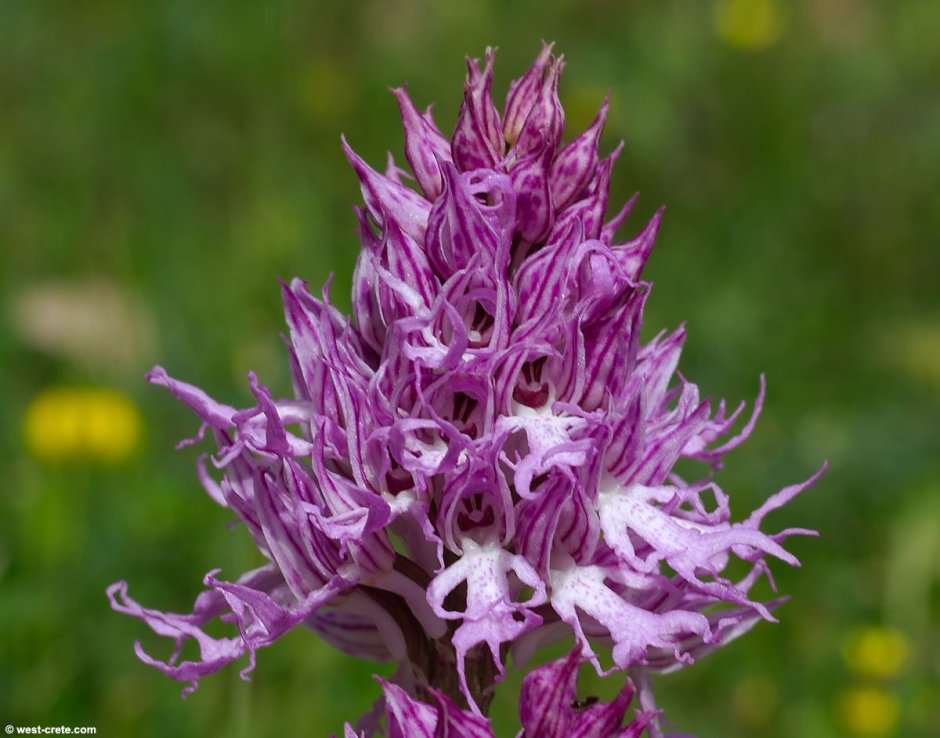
[868, 711]
[748, 24]
[73, 423]
[876, 652]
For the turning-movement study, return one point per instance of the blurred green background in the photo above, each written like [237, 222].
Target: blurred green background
[162, 163]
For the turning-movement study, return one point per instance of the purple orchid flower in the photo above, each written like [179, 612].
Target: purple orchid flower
[480, 460]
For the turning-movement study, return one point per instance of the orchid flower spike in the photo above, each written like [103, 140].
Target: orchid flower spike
[479, 461]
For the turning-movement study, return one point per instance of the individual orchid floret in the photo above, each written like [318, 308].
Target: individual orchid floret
[549, 705]
[481, 460]
[575, 163]
[548, 708]
[491, 616]
[478, 140]
[425, 146]
[523, 94]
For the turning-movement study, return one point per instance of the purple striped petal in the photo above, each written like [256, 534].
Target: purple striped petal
[425, 146]
[478, 139]
[633, 254]
[546, 119]
[457, 228]
[386, 198]
[407, 718]
[575, 164]
[260, 622]
[523, 94]
[591, 208]
[549, 706]
[456, 723]
[534, 207]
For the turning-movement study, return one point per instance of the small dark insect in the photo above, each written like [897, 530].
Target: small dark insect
[586, 702]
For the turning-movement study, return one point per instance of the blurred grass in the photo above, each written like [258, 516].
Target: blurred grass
[188, 154]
